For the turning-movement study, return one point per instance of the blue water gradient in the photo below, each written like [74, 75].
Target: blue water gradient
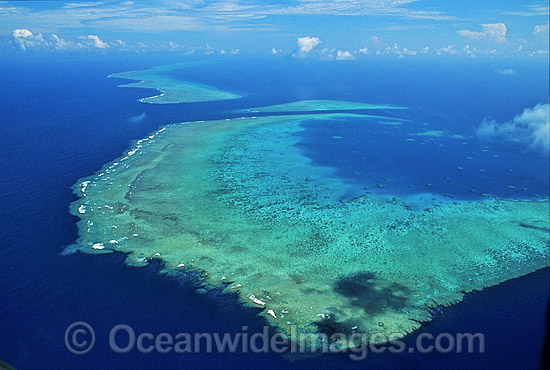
[62, 119]
[395, 160]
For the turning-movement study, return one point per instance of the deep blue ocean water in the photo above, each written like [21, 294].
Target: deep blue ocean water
[62, 119]
[394, 160]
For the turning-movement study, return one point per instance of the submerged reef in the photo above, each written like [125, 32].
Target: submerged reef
[316, 106]
[237, 201]
[173, 90]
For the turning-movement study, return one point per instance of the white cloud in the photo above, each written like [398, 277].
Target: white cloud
[95, 41]
[540, 28]
[26, 40]
[538, 52]
[334, 54]
[172, 46]
[195, 15]
[344, 55]
[60, 44]
[493, 32]
[446, 50]
[506, 72]
[21, 32]
[275, 51]
[394, 8]
[396, 50]
[364, 50]
[470, 52]
[532, 128]
[235, 51]
[305, 45]
[519, 49]
[409, 52]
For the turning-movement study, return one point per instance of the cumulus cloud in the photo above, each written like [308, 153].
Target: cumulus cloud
[305, 45]
[60, 44]
[90, 42]
[493, 32]
[519, 49]
[364, 50]
[446, 50]
[96, 42]
[396, 50]
[275, 51]
[531, 127]
[540, 29]
[172, 46]
[21, 32]
[406, 51]
[344, 55]
[26, 40]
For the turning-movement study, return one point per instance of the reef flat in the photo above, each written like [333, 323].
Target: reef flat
[317, 106]
[237, 201]
[172, 90]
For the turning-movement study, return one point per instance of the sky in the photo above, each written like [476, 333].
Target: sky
[323, 29]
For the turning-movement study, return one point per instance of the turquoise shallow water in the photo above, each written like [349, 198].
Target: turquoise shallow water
[54, 136]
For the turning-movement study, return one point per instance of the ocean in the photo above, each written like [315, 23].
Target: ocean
[62, 119]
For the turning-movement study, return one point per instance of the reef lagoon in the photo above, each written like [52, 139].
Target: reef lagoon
[238, 203]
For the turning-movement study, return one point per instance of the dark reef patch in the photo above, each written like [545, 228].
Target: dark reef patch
[371, 294]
